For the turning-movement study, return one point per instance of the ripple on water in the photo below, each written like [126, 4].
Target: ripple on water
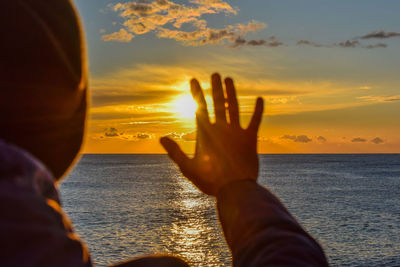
[129, 205]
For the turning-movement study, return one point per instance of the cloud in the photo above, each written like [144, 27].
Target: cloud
[321, 139]
[290, 137]
[174, 135]
[138, 115]
[189, 136]
[270, 42]
[146, 93]
[358, 140]
[121, 36]
[111, 132]
[265, 86]
[346, 44]
[349, 43]
[310, 43]
[171, 19]
[297, 139]
[205, 36]
[379, 99]
[116, 96]
[302, 139]
[381, 35]
[377, 140]
[356, 43]
[144, 77]
[166, 19]
[142, 136]
[114, 133]
[379, 45]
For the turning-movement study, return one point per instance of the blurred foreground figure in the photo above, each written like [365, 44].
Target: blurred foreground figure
[43, 84]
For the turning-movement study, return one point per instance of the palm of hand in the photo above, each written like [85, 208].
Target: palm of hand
[224, 151]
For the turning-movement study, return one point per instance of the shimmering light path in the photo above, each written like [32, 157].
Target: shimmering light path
[129, 205]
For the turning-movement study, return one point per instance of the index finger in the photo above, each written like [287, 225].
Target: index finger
[198, 95]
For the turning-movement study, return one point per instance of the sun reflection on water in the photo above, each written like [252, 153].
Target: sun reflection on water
[193, 235]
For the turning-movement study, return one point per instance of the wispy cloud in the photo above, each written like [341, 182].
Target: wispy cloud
[121, 113]
[379, 99]
[107, 97]
[121, 36]
[379, 45]
[189, 136]
[310, 43]
[143, 89]
[114, 133]
[349, 43]
[142, 136]
[270, 42]
[167, 20]
[354, 43]
[358, 140]
[289, 137]
[377, 140]
[187, 24]
[111, 132]
[174, 135]
[380, 35]
[298, 138]
[303, 139]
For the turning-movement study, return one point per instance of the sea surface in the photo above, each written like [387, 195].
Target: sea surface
[129, 205]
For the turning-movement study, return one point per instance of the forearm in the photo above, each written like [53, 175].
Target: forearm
[259, 230]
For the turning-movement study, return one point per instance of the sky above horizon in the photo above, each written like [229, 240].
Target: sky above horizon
[327, 70]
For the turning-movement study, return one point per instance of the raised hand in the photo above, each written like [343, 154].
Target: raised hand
[225, 152]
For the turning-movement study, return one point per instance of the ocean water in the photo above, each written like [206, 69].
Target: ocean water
[130, 205]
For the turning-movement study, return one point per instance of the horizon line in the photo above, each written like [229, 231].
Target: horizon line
[305, 153]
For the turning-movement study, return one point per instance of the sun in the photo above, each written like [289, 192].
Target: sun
[185, 107]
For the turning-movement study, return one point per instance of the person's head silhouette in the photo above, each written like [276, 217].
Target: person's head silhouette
[43, 80]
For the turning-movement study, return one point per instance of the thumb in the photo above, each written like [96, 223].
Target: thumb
[176, 154]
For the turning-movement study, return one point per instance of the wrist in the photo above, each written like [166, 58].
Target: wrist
[233, 185]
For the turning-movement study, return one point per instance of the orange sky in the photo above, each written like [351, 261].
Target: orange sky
[300, 117]
[333, 91]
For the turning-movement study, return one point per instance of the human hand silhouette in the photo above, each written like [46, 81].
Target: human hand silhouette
[224, 151]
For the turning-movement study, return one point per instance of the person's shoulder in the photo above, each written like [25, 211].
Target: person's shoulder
[20, 169]
[34, 229]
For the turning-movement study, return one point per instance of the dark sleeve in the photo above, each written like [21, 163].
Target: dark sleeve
[261, 232]
[35, 232]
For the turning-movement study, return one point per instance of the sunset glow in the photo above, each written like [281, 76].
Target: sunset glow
[185, 106]
[333, 91]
